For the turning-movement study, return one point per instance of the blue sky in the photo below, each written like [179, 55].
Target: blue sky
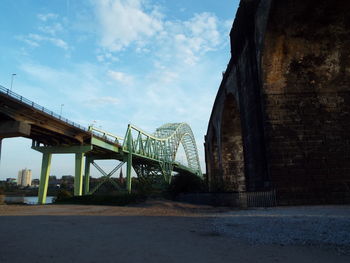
[113, 62]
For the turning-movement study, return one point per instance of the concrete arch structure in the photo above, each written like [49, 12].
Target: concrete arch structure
[289, 74]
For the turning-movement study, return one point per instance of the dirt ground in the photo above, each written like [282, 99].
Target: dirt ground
[156, 231]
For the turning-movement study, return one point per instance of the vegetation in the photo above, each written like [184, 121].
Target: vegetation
[2, 199]
[186, 183]
[143, 188]
[11, 189]
[62, 195]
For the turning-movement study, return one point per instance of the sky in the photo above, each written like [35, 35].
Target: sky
[111, 63]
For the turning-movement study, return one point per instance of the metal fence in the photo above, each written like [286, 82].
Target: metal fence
[243, 199]
[257, 199]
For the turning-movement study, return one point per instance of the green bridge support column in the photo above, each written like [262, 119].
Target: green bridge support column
[78, 178]
[87, 176]
[128, 173]
[129, 163]
[44, 177]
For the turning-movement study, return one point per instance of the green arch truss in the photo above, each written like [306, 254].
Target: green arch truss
[145, 150]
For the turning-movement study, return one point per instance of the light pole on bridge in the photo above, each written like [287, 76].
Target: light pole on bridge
[61, 109]
[12, 76]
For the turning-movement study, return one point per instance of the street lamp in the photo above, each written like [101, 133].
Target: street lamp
[92, 124]
[14, 74]
[61, 109]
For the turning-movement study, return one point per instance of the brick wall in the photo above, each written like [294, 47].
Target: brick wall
[289, 76]
[306, 100]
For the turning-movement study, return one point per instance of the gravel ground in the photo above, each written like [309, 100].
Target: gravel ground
[308, 225]
[165, 231]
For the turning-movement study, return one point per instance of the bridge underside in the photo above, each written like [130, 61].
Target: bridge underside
[151, 155]
[281, 118]
[41, 126]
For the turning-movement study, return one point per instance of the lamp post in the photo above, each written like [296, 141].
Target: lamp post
[14, 74]
[92, 125]
[61, 109]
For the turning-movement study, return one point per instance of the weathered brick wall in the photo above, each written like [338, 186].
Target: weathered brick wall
[289, 78]
[215, 180]
[306, 98]
[232, 148]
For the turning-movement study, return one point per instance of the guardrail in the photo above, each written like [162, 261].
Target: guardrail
[38, 107]
[106, 135]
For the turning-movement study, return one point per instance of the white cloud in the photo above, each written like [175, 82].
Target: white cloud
[187, 41]
[106, 57]
[127, 23]
[51, 29]
[28, 41]
[204, 32]
[77, 79]
[120, 77]
[124, 22]
[58, 42]
[103, 101]
[48, 32]
[36, 39]
[45, 74]
[46, 17]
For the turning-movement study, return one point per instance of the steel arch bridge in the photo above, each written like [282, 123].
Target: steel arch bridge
[156, 153]
[152, 155]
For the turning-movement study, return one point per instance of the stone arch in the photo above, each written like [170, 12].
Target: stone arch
[232, 156]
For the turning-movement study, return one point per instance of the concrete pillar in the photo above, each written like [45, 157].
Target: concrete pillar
[87, 176]
[78, 178]
[129, 164]
[44, 177]
[128, 172]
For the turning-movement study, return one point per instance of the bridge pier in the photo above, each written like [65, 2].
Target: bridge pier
[87, 175]
[78, 177]
[44, 177]
[128, 172]
[47, 152]
[129, 160]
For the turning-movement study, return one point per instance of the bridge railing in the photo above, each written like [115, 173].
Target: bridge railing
[105, 135]
[36, 106]
[39, 107]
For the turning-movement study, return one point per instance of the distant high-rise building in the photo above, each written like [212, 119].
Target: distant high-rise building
[24, 177]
